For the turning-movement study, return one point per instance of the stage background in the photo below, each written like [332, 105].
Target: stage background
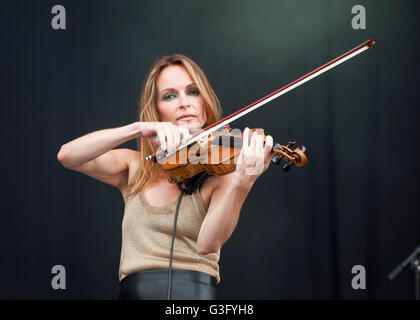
[356, 202]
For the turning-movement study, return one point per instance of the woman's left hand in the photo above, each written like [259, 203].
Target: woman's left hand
[254, 158]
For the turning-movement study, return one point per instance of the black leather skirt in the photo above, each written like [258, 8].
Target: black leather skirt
[153, 285]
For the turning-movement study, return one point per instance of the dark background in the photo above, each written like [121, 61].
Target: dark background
[299, 235]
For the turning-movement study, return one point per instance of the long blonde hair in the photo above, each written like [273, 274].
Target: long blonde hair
[150, 171]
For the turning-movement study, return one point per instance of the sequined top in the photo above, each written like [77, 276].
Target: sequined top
[147, 235]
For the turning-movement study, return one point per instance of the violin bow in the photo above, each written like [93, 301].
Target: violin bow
[275, 94]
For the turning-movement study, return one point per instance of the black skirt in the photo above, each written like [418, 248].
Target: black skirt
[153, 285]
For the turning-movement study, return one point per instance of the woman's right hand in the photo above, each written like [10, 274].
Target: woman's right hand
[166, 134]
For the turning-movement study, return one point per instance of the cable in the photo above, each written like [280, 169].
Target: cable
[192, 185]
[172, 244]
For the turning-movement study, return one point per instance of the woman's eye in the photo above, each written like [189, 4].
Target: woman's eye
[194, 91]
[169, 96]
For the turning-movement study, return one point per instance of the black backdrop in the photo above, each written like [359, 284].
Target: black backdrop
[299, 235]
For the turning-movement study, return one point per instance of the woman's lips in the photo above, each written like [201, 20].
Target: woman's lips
[186, 118]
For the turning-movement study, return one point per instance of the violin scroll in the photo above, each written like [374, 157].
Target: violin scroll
[294, 157]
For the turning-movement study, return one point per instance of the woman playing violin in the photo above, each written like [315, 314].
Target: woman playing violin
[176, 99]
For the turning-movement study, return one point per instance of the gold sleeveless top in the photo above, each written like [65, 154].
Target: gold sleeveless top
[147, 235]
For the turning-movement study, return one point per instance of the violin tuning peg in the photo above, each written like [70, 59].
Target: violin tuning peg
[291, 143]
[287, 166]
[277, 146]
[276, 160]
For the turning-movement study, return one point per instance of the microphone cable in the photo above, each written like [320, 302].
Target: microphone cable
[172, 244]
[191, 186]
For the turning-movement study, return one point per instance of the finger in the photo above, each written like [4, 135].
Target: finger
[177, 137]
[177, 132]
[259, 149]
[268, 144]
[259, 144]
[185, 135]
[246, 149]
[172, 134]
[253, 142]
[169, 139]
[181, 132]
[161, 136]
[268, 148]
[245, 139]
[239, 159]
[249, 156]
[182, 129]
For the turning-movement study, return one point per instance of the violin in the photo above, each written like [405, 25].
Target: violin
[214, 149]
[217, 154]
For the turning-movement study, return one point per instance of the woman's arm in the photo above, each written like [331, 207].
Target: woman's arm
[94, 154]
[223, 214]
[228, 197]
[95, 144]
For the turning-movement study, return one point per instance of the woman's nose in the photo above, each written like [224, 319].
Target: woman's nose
[183, 101]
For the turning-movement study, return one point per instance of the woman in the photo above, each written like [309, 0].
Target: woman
[176, 99]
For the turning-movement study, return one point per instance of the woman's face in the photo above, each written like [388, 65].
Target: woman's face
[178, 98]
